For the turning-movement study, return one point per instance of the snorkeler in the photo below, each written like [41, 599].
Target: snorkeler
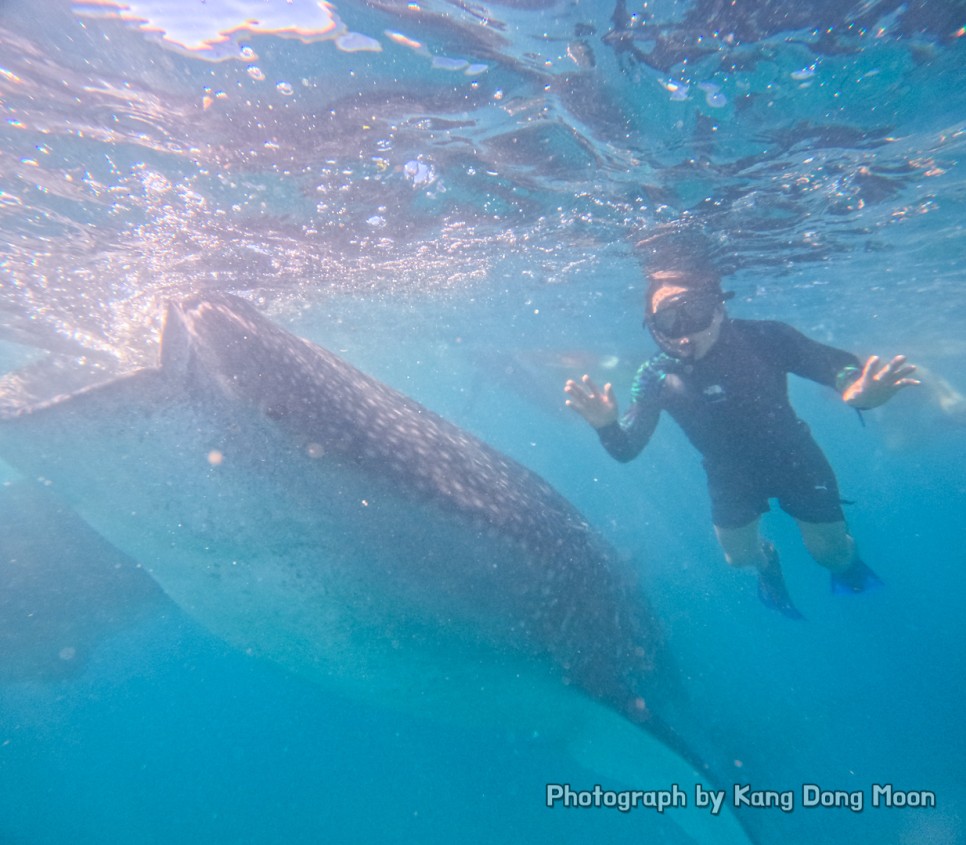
[724, 382]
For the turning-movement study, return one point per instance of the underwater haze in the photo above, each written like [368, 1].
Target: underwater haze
[452, 198]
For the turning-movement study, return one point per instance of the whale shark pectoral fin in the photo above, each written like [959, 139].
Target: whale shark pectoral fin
[627, 756]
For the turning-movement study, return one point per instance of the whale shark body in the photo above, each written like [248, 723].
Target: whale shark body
[313, 516]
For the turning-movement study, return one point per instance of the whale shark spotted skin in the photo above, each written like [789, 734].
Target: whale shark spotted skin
[311, 515]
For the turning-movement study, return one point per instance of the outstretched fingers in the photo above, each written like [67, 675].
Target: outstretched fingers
[597, 406]
[897, 372]
[582, 391]
[868, 371]
[592, 389]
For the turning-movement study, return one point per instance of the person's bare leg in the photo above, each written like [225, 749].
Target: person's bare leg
[833, 547]
[742, 546]
[829, 543]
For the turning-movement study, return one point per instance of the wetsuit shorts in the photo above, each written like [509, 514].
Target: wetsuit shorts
[802, 481]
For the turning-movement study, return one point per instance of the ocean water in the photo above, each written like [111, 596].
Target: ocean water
[449, 196]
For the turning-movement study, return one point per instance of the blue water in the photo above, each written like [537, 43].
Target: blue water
[455, 213]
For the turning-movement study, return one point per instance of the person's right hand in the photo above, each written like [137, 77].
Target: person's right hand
[598, 407]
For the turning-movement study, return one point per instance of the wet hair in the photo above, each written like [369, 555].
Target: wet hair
[679, 257]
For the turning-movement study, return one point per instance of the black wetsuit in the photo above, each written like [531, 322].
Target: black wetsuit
[733, 406]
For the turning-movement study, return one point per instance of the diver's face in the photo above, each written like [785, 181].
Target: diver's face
[685, 324]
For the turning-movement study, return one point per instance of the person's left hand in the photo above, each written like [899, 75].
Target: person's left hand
[877, 385]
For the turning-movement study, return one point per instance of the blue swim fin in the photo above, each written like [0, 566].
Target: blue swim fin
[771, 585]
[856, 579]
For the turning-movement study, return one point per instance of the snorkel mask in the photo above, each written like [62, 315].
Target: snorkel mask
[685, 314]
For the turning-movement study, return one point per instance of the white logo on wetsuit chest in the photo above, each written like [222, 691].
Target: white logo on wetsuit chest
[714, 393]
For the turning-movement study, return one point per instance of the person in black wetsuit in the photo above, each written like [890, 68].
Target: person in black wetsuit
[724, 382]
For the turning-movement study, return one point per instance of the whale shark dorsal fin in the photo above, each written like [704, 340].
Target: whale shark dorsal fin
[175, 342]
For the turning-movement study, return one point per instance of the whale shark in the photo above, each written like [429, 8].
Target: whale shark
[313, 516]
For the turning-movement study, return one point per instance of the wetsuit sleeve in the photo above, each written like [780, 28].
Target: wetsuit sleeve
[810, 359]
[625, 438]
